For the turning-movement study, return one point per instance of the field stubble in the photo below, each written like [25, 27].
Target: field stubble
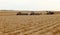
[30, 25]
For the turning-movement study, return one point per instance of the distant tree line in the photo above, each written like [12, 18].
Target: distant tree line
[33, 13]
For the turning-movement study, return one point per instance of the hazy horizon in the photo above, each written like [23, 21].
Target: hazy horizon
[34, 5]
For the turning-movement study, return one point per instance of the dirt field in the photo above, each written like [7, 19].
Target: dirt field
[29, 24]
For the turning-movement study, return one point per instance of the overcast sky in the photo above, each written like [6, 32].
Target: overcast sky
[30, 4]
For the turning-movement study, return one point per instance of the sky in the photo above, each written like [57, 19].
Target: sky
[35, 5]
